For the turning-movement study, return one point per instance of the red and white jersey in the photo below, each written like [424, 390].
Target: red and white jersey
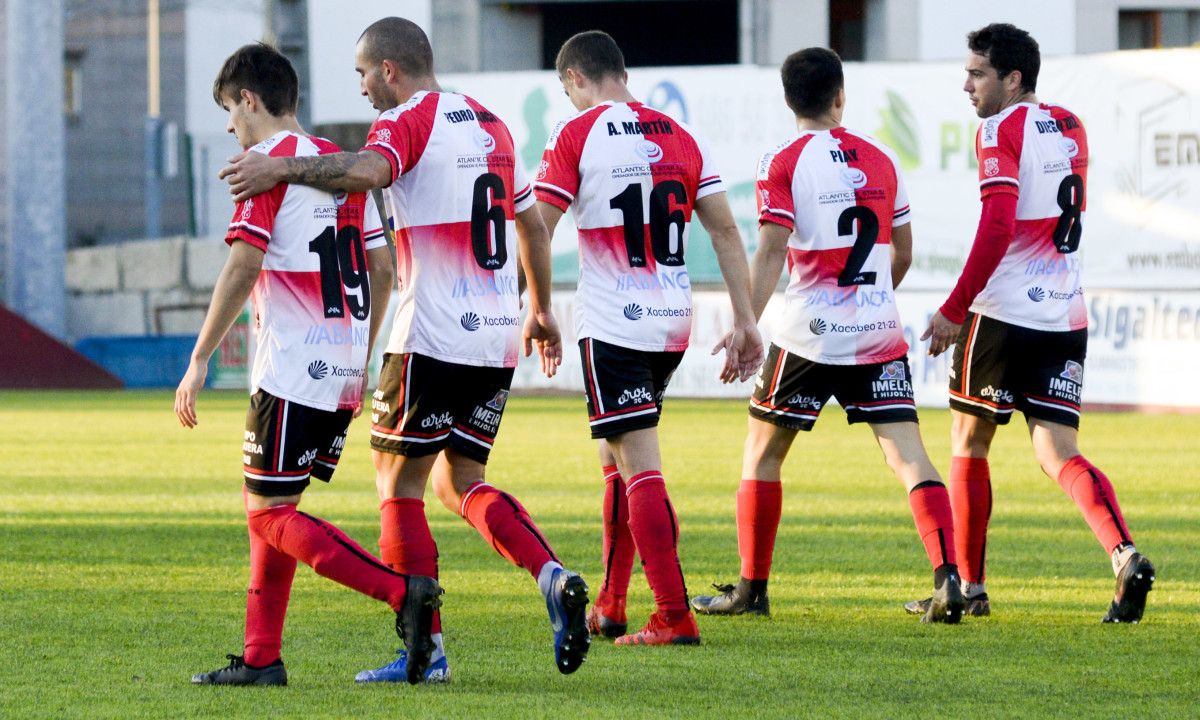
[633, 176]
[840, 193]
[1040, 154]
[456, 187]
[312, 300]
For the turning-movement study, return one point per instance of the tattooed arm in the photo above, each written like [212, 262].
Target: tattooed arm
[252, 173]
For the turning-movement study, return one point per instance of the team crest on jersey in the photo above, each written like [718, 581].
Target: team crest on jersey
[384, 135]
[543, 168]
[1073, 372]
[486, 142]
[991, 167]
[247, 209]
[339, 198]
[854, 177]
[648, 151]
[1069, 147]
[497, 403]
[765, 196]
[893, 371]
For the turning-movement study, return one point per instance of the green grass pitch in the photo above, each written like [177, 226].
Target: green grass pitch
[124, 566]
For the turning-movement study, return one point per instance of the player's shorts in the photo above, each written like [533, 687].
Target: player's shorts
[791, 390]
[624, 387]
[423, 405]
[286, 443]
[1000, 367]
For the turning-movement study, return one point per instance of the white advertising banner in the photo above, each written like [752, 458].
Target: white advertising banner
[1141, 349]
[1141, 110]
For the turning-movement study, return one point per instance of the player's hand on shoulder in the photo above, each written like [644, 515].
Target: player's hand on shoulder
[541, 329]
[185, 394]
[941, 334]
[250, 174]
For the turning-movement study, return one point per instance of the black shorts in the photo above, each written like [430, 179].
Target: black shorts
[624, 387]
[286, 442]
[791, 390]
[1000, 367]
[423, 405]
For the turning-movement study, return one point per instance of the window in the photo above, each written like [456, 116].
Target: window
[848, 28]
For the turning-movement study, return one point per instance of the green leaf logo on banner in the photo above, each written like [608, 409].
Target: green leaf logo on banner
[899, 131]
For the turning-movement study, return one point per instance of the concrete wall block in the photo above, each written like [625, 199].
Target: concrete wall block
[152, 264]
[205, 258]
[93, 269]
[176, 311]
[113, 313]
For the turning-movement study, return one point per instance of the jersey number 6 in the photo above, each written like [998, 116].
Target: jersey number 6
[488, 222]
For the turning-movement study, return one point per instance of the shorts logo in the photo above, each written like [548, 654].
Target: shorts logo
[804, 401]
[648, 151]
[384, 135]
[1036, 294]
[1073, 372]
[854, 177]
[818, 326]
[637, 394]
[497, 403]
[996, 394]
[317, 370]
[486, 142]
[247, 209]
[991, 167]
[437, 421]
[633, 311]
[893, 371]
[307, 457]
[469, 321]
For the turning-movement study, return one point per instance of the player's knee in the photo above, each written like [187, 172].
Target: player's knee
[971, 436]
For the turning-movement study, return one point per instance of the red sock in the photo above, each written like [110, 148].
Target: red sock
[618, 541]
[1095, 497]
[759, 504]
[502, 521]
[328, 551]
[271, 574]
[405, 543]
[930, 505]
[971, 501]
[656, 534]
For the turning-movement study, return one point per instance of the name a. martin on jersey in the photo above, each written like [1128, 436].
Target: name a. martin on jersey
[634, 127]
[661, 280]
[849, 296]
[484, 286]
[1069, 383]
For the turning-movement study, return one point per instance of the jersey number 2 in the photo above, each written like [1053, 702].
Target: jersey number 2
[343, 269]
[868, 233]
[663, 217]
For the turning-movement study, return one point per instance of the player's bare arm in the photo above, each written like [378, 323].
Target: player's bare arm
[229, 297]
[541, 329]
[767, 265]
[743, 345]
[901, 253]
[251, 173]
